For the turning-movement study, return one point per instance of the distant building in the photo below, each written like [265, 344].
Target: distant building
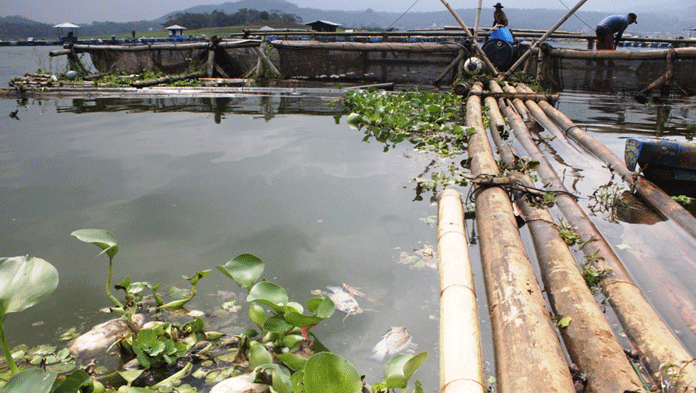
[176, 31]
[322, 25]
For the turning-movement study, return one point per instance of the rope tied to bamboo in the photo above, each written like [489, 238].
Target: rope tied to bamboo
[514, 187]
[567, 130]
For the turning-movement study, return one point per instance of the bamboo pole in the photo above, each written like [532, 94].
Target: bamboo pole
[542, 39]
[645, 328]
[420, 47]
[460, 57]
[269, 63]
[514, 95]
[519, 316]
[651, 193]
[657, 54]
[478, 18]
[461, 358]
[519, 105]
[588, 338]
[475, 44]
[167, 79]
[82, 48]
[544, 120]
[210, 66]
[494, 87]
[659, 82]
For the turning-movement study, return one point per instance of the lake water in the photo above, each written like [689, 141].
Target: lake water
[188, 184]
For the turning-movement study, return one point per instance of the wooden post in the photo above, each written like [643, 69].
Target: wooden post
[461, 358]
[519, 316]
[542, 39]
[540, 64]
[211, 56]
[590, 43]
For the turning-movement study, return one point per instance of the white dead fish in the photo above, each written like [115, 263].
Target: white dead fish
[344, 301]
[358, 293]
[398, 339]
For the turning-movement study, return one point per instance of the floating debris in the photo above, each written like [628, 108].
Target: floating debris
[398, 339]
[344, 301]
[421, 257]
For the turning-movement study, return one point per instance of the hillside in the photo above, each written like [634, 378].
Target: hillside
[670, 19]
[654, 21]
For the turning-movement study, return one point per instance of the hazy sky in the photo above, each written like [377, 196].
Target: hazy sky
[58, 11]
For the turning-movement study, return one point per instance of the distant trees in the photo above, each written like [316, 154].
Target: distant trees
[240, 18]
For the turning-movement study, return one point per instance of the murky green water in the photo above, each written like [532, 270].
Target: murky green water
[183, 193]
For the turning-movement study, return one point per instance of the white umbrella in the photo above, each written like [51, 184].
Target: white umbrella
[66, 25]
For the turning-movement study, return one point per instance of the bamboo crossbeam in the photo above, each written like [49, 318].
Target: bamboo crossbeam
[82, 48]
[420, 47]
[651, 193]
[645, 328]
[461, 358]
[588, 338]
[656, 54]
[519, 316]
[522, 96]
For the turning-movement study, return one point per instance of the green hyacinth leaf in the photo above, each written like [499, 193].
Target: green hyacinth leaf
[100, 238]
[25, 281]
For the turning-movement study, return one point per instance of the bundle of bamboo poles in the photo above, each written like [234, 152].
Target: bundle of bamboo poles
[528, 355]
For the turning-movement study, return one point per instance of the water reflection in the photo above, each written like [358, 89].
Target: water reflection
[265, 106]
[607, 114]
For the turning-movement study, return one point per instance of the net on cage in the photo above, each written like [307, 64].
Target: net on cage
[384, 62]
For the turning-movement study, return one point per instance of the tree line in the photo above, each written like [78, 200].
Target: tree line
[240, 18]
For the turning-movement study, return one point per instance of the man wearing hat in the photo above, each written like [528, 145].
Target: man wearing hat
[499, 17]
[610, 29]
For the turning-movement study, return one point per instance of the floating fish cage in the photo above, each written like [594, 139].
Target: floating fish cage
[667, 70]
[415, 63]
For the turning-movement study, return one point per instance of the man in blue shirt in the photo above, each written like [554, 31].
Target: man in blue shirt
[611, 28]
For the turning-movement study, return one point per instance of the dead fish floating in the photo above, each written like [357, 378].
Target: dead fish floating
[358, 293]
[397, 340]
[344, 301]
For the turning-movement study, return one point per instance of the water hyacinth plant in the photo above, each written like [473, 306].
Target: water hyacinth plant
[24, 281]
[288, 328]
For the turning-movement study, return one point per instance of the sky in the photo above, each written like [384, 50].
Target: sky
[58, 11]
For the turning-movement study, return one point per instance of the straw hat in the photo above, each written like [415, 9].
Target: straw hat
[498, 6]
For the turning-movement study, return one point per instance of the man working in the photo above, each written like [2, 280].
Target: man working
[499, 17]
[610, 30]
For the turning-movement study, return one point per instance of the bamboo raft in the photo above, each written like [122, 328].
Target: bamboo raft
[529, 357]
[528, 354]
